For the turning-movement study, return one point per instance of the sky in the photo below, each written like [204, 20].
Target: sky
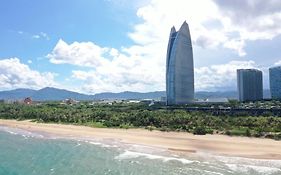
[93, 46]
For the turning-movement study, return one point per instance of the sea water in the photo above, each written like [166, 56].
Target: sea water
[27, 153]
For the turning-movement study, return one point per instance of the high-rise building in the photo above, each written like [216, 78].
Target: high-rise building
[179, 67]
[249, 83]
[275, 82]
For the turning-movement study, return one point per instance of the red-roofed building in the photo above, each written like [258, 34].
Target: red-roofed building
[28, 100]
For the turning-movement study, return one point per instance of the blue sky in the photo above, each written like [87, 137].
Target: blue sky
[95, 46]
[71, 20]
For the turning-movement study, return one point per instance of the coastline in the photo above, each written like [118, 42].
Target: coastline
[178, 142]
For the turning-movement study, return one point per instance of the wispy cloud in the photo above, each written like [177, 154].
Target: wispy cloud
[41, 35]
[45, 35]
[36, 36]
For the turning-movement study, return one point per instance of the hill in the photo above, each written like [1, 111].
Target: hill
[54, 94]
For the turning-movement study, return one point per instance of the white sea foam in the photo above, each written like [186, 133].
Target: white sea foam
[94, 143]
[145, 149]
[12, 132]
[248, 165]
[250, 168]
[100, 143]
[212, 172]
[200, 171]
[258, 165]
[131, 155]
[77, 145]
[21, 132]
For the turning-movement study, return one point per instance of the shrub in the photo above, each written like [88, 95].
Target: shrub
[269, 136]
[200, 131]
[165, 129]
[258, 134]
[238, 132]
[95, 124]
[248, 133]
[277, 136]
[150, 128]
[209, 131]
[228, 133]
[125, 126]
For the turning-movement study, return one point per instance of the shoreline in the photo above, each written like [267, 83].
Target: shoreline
[176, 142]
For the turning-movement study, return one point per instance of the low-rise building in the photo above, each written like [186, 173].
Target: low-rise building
[27, 101]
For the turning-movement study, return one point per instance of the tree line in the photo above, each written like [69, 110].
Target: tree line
[123, 115]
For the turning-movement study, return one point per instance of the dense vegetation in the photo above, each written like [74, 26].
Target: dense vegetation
[125, 115]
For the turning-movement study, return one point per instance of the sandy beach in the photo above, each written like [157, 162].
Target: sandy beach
[183, 143]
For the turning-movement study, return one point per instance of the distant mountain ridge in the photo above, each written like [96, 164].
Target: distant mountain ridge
[131, 95]
[45, 94]
[54, 94]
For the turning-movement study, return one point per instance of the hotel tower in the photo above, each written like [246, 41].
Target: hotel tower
[179, 67]
[249, 85]
[275, 82]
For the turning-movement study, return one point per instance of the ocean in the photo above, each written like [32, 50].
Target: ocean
[27, 153]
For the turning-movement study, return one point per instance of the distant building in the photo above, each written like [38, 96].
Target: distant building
[216, 100]
[147, 101]
[70, 101]
[249, 84]
[163, 99]
[133, 101]
[275, 82]
[27, 100]
[211, 100]
[179, 67]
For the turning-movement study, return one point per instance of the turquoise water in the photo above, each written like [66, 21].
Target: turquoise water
[25, 153]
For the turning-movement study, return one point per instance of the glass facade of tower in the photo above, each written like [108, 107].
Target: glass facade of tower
[179, 67]
[249, 84]
[275, 82]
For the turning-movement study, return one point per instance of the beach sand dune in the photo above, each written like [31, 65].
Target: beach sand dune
[183, 143]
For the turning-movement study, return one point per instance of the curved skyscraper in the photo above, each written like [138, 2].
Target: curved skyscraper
[179, 67]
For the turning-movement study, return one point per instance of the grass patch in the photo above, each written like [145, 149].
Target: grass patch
[95, 124]
[239, 132]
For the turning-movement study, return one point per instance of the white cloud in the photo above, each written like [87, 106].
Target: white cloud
[141, 67]
[138, 72]
[36, 36]
[41, 35]
[82, 54]
[236, 44]
[14, 74]
[95, 82]
[278, 63]
[130, 69]
[212, 23]
[252, 19]
[222, 76]
[29, 61]
[45, 35]
[159, 16]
